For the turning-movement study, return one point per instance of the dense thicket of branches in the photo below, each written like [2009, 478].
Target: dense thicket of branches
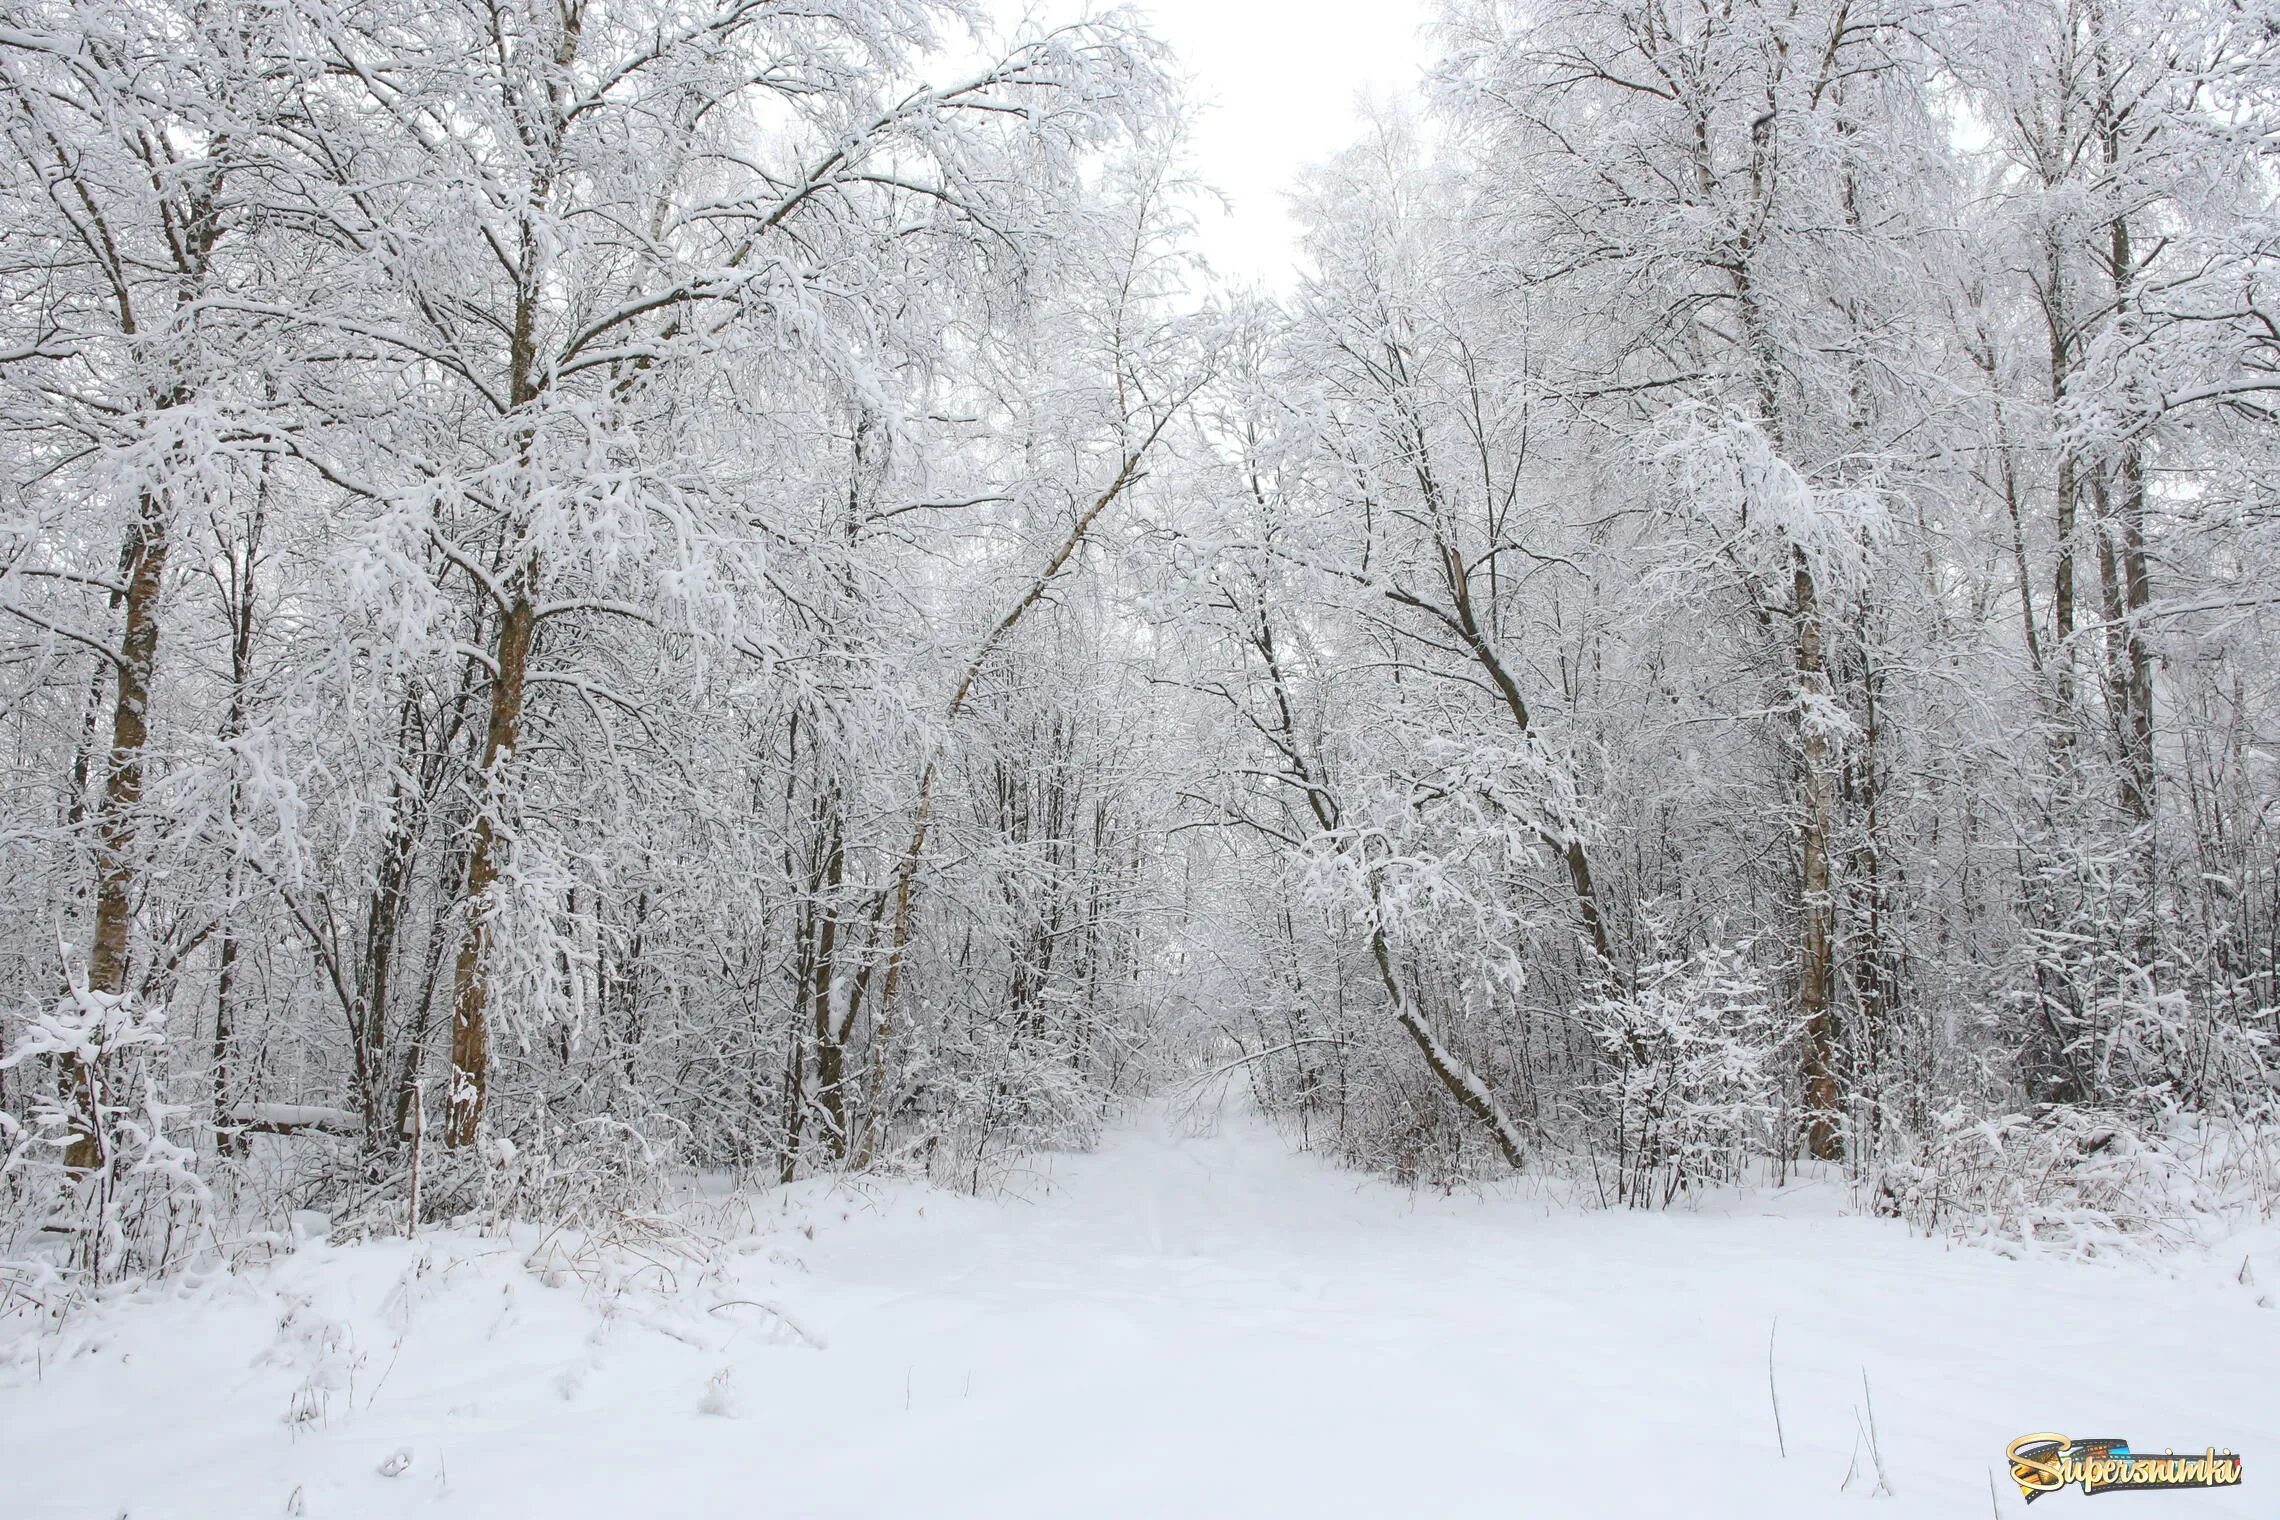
[536, 548]
[601, 584]
[1748, 588]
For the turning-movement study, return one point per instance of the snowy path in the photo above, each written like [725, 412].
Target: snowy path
[1175, 1328]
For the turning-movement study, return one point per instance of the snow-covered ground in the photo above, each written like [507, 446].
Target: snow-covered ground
[1177, 1326]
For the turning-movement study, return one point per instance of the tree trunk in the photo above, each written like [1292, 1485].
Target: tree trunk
[1816, 903]
[471, 990]
[2137, 599]
[239, 605]
[2067, 490]
[2123, 575]
[116, 877]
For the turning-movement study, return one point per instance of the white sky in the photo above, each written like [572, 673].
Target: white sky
[1280, 82]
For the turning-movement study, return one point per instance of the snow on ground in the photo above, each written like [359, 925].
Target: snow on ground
[1176, 1326]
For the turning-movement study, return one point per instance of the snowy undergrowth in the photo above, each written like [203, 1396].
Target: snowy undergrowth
[2085, 1184]
[1183, 1323]
[311, 1352]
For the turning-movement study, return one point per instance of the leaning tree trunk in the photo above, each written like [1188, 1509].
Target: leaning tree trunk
[1463, 1085]
[902, 890]
[1462, 617]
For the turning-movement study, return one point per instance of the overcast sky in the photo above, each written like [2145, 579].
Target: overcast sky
[1279, 80]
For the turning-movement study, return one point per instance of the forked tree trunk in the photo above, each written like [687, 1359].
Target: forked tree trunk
[1817, 783]
[510, 672]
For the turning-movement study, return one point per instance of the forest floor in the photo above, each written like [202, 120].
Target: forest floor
[1179, 1325]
